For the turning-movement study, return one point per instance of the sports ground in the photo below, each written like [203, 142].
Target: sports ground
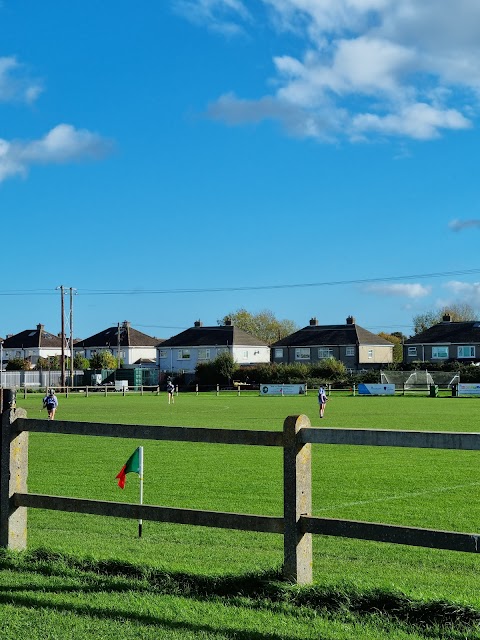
[86, 572]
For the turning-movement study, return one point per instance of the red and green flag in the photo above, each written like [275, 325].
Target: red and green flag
[132, 465]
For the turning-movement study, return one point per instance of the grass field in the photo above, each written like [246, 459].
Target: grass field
[85, 576]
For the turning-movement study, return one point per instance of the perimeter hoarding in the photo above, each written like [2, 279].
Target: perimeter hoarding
[282, 389]
[376, 389]
[468, 389]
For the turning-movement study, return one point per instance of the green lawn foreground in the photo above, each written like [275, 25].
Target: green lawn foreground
[69, 593]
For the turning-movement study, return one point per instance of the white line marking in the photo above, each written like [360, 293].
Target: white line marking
[413, 494]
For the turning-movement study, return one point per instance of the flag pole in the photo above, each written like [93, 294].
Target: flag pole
[140, 522]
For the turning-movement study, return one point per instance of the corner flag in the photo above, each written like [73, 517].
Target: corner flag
[132, 465]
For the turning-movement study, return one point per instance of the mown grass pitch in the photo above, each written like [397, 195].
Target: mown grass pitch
[434, 489]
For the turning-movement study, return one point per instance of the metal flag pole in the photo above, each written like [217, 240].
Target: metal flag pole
[140, 473]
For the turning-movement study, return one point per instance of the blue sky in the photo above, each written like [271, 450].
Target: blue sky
[178, 160]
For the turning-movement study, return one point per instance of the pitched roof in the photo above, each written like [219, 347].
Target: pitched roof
[331, 335]
[33, 338]
[129, 337]
[200, 336]
[456, 332]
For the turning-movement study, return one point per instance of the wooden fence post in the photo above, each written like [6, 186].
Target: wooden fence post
[13, 475]
[297, 498]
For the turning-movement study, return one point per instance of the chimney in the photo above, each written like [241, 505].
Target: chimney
[127, 324]
[40, 327]
[228, 322]
[350, 320]
[313, 322]
[198, 323]
[447, 317]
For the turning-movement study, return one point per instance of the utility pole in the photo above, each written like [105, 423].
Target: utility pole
[62, 307]
[72, 369]
[118, 346]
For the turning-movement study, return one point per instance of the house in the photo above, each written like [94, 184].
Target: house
[134, 346]
[353, 345]
[446, 340]
[182, 353]
[33, 344]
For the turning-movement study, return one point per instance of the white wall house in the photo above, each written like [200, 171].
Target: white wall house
[135, 347]
[183, 352]
[31, 345]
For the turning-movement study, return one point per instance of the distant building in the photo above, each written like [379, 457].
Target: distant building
[353, 345]
[135, 347]
[33, 344]
[446, 340]
[183, 352]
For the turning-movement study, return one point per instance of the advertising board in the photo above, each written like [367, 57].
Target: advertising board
[468, 389]
[376, 389]
[282, 389]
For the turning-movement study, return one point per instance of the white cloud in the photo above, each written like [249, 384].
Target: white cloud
[368, 68]
[459, 225]
[223, 16]
[419, 121]
[461, 288]
[413, 290]
[15, 84]
[463, 293]
[61, 144]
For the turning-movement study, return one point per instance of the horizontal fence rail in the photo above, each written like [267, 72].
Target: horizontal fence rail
[219, 519]
[392, 438]
[297, 524]
[416, 537]
[145, 432]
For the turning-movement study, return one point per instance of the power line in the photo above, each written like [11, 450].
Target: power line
[285, 286]
[112, 292]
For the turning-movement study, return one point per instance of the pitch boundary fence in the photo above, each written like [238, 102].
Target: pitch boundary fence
[297, 524]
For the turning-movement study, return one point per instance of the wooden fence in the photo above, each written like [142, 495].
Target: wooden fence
[297, 524]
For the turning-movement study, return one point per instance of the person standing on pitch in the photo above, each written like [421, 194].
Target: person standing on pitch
[50, 403]
[170, 390]
[322, 400]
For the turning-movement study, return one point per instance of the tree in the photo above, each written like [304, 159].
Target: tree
[80, 362]
[103, 360]
[52, 362]
[457, 312]
[18, 364]
[397, 340]
[262, 325]
[225, 366]
[42, 363]
[330, 369]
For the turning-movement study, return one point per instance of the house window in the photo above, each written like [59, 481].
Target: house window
[370, 353]
[222, 350]
[163, 353]
[204, 354]
[325, 352]
[184, 354]
[466, 351]
[278, 353]
[350, 351]
[245, 354]
[439, 353]
[302, 353]
[412, 351]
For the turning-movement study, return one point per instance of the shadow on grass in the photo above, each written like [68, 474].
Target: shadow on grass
[159, 621]
[263, 590]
